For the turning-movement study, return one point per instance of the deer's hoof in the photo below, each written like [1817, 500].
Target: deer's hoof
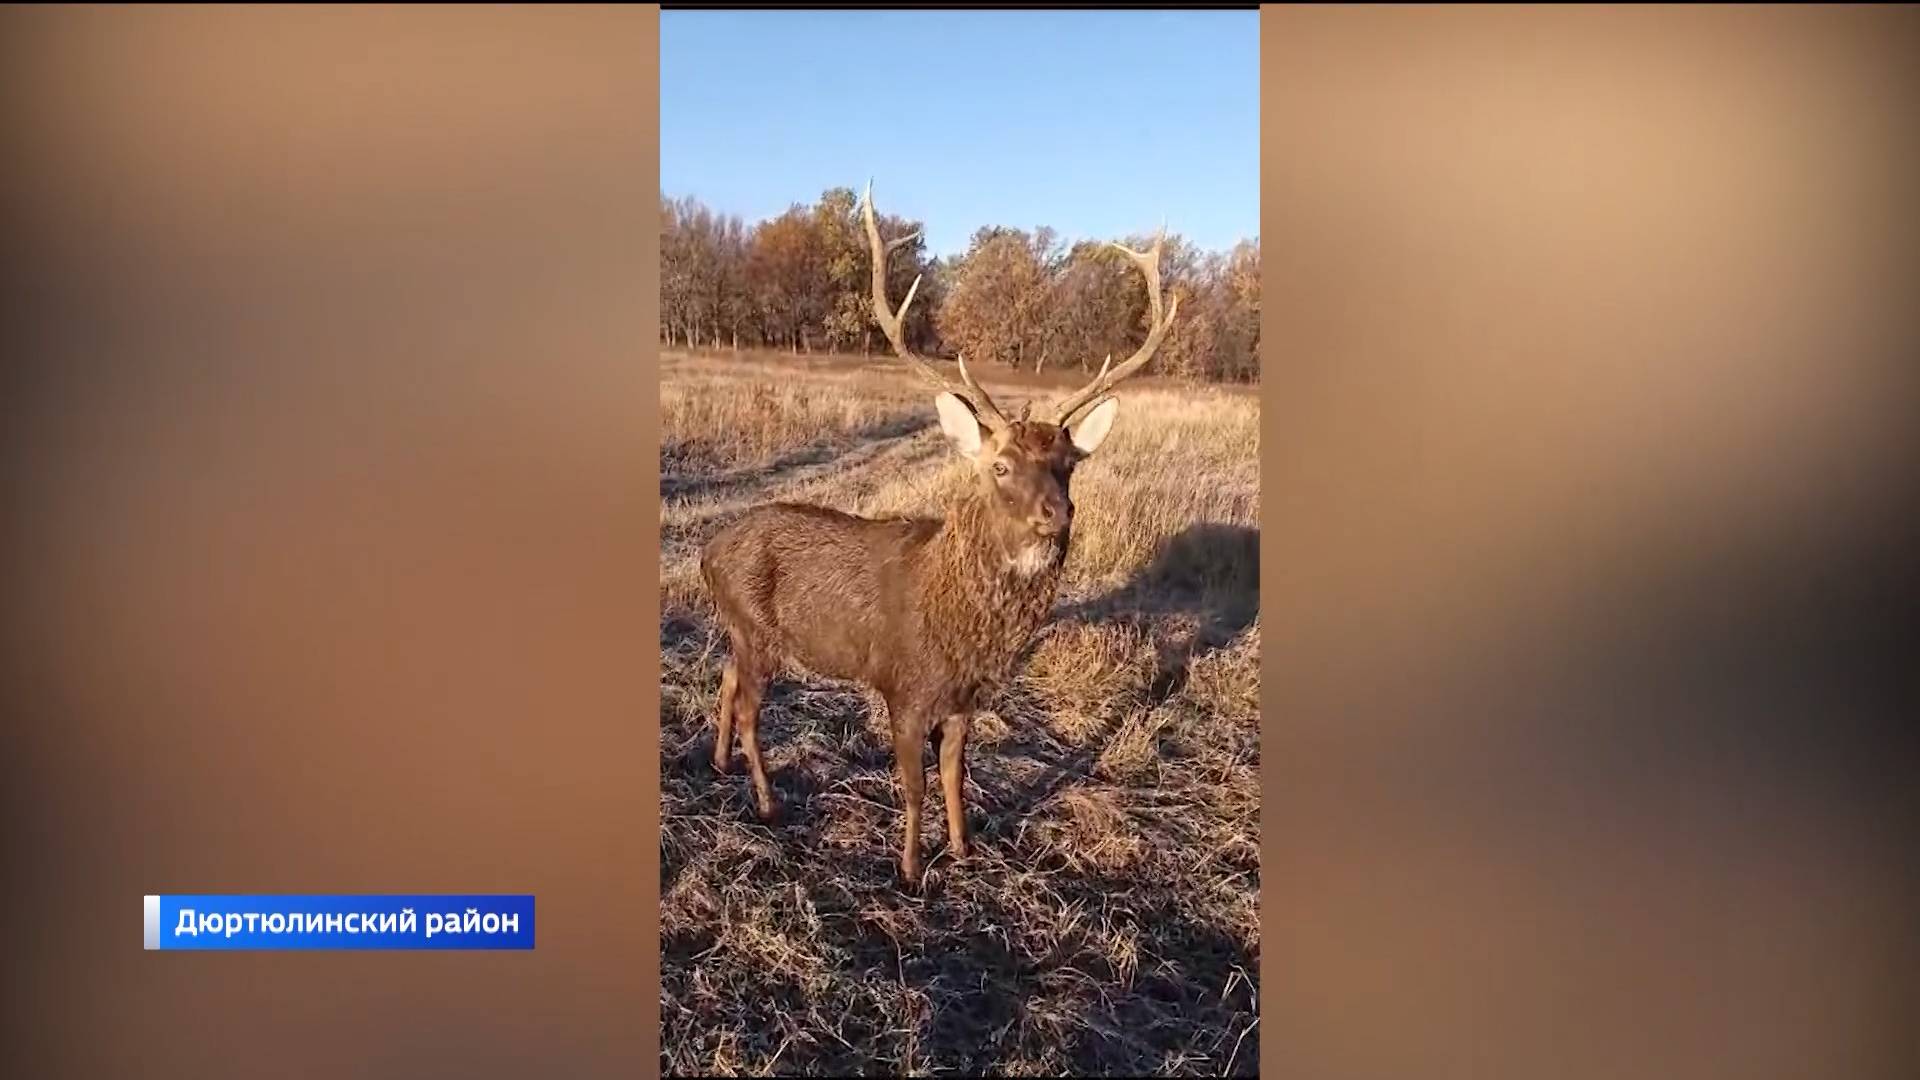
[721, 763]
[911, 874]
[769, 810]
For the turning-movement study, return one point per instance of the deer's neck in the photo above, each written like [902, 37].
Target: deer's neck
[983, 602]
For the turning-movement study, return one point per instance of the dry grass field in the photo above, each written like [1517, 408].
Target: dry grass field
[1107, 922]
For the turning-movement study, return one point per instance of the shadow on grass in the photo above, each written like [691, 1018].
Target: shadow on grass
[684, 474]
[1208, 576]
[1205, 580]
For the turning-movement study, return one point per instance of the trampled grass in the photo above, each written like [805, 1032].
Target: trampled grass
[1108, 919]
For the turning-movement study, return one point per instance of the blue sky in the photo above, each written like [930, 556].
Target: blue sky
[1096, 123]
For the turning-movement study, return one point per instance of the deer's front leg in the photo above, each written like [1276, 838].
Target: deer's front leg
[909, 739]
[953, 780]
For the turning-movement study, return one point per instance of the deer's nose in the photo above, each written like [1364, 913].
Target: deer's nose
[1052, 515]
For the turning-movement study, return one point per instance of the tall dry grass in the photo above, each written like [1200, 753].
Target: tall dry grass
[1108, 922]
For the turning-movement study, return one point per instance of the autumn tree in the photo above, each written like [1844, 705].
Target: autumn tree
[675, 271]
[785, 268]
[997, 308]
[1091, 305]
[1239, 348]
[842, 248]
[733, 303]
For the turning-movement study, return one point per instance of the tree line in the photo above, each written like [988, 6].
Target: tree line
[1028, 299]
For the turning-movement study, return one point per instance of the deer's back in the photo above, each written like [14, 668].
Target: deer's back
[830, 590]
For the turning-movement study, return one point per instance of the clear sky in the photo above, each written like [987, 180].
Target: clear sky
[1098, 123]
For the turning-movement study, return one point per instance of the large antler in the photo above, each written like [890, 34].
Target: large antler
[1149, 263]
[892, 323]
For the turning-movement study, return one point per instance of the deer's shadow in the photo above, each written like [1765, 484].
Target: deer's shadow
[1199, 594]
[1207, 577]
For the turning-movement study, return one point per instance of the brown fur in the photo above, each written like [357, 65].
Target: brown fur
[929, 613]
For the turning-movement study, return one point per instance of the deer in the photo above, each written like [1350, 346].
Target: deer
[931, 613]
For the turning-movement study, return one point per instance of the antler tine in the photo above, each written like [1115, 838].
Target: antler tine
[967, 376]
[892, 322]
[1162, 320]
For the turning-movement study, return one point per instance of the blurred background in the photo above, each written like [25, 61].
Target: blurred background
[1589, 357]
[328, 476]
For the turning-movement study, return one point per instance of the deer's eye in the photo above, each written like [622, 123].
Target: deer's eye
[999, 468]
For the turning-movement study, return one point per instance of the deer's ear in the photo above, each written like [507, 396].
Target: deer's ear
[958, 420]
[1092, 429]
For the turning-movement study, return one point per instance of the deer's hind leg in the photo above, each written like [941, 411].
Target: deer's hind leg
[742, 687]
[751, 687]
[743, 683]
[723, 718]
